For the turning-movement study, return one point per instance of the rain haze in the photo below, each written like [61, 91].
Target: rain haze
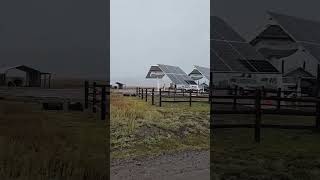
[65, 37]
[149, 32]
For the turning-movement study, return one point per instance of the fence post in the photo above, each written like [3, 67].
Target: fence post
[137, 92]
[141, 93]
[152, 96]
[160, 98]
[234, 107]
[279, 101]
[258, 117]
[86, 94]
[103, 103]
[318, 115]
[190, 99]
[183, 92]
[146, 94]
[174, 95]
[94, 94]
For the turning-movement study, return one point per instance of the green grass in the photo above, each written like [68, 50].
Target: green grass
[140, 129]
[282, 154]
[50, 145]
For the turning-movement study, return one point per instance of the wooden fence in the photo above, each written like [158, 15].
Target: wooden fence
[172, 96]
[239, 104]
[96, 98]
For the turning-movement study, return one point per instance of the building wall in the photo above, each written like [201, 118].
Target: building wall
[34, 79]
[222, 79]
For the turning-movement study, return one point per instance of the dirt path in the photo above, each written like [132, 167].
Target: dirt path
[188, 165]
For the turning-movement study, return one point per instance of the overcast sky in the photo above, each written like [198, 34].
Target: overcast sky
[249, 16]
[69, 37]
[148, 32]
[66, 37]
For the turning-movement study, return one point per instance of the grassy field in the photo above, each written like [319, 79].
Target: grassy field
[50, 145]
[282, 154]
[140, 129]
[71, 83]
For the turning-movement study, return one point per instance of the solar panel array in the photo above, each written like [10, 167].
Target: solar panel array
[204, 71]
[176, 75]
[155, 73]
[303, 31]
[231, 53]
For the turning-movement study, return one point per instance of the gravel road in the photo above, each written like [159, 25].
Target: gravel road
[188, 165]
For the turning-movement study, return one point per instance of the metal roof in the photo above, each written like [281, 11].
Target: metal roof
[174, 73]
[4, 70]
[231, 53]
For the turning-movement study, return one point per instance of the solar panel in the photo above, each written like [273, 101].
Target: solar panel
[247, 51]
[228, 55]
[248, 65]
[231, 53]
[176, 74]
[304, 32]
[204, 71]
[217, 64]
[221, 29]
[173, 78]
[154, 73]
[313, 49]
[301, 29]
[263, 66]
[191, 82]
[215, 35]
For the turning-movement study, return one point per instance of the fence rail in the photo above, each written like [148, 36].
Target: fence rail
[255, 105]
[172, 96]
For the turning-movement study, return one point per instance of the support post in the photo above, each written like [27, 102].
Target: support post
[86, 94]
[49, 81]
[234, 105]
[160, 97]
[103, 103]
[318, 82]
[146, 94]
[258, 117]
[45, 81]
[279, 101]
[141, 93]
[94, 94]
[317, 124]
[190, 99]
[152, 96]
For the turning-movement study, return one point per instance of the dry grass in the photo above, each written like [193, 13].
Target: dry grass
[49, 145]
[282, 154]
[71, 83]
[138, 128]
